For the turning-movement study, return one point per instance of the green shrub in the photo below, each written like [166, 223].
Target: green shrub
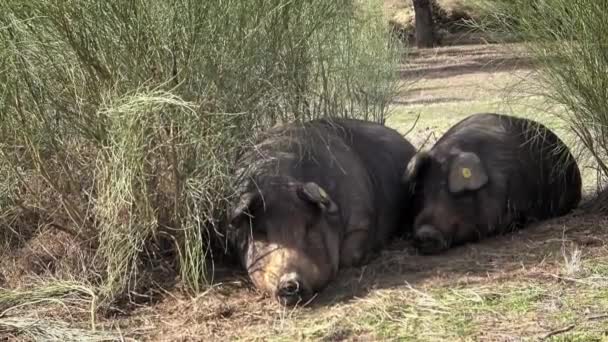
[569, 40]
[120, 120]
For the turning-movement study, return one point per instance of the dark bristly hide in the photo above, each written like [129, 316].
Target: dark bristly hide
[316, 197]
[489, 174]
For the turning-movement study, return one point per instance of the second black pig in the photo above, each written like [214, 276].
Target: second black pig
[489, 174]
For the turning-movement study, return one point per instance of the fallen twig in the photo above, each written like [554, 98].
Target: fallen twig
[558, 331]
[584, 281]
[413, 125]
[597, 317]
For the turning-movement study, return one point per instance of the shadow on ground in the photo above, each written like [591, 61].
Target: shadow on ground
[495, 257]
[232, 307]
[487, 64]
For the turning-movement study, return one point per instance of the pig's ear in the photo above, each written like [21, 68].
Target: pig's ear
[315, 194]
[466, 173]
[414, 167]
[242, 208]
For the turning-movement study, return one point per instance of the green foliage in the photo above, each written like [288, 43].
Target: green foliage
[569, 40]
[120, 121]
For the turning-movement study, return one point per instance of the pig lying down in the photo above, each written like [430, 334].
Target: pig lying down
[314, 198]
[487, 175]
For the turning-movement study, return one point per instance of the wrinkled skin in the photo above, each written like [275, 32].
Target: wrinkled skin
[316, 199]
[489, 174]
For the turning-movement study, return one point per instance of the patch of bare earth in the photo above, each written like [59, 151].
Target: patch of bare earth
[49, 252]
[535, 283]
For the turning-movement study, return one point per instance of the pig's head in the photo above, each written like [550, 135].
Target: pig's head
[288, 239]
[452, 197]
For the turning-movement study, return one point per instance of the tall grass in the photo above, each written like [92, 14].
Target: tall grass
[120, 121]
[569, 39]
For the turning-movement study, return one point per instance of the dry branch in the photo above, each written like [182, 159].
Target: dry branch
[558, 331]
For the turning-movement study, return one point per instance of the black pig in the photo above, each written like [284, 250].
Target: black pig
[314, 198]
[489, 174]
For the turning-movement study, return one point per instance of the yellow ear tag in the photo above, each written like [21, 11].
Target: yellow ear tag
[322, 193]
[466, 172]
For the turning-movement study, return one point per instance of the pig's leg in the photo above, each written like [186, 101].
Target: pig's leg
[356, 243]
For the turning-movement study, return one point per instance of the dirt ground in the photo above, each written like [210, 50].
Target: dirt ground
[548, 281]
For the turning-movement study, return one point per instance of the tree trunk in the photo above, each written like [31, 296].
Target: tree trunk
[425, 30]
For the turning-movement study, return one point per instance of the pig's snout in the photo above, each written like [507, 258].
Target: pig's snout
[290, 289]
[429, 240]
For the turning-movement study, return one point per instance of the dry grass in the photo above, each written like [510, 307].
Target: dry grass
[507, 288]
[31, 329]
[40, 312]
